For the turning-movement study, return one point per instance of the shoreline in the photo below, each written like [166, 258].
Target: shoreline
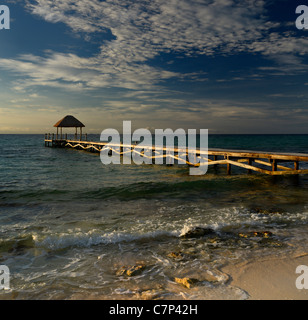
[270, 278]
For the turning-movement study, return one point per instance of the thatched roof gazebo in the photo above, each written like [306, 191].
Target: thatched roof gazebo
[69, 122]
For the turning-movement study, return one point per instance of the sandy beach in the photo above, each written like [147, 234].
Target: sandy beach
[270, 278]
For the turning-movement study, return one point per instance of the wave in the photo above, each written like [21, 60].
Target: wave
[168, 224]
[18, 244]
[128, 192]
[172, 188]
[209, 186]
[28, 194]
[86, 240]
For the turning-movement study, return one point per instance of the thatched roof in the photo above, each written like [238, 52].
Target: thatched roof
[69, 122]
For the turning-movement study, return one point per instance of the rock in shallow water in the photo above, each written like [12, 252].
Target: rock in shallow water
[150, 294]
[186, 282]
[266, 211]
[176, 255]
[251, 234]
[130, 271]
[208, 276]
[197, 232]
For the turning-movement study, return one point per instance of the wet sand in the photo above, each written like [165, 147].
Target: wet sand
[270, 278]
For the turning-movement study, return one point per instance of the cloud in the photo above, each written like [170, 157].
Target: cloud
[72, 72]
[142, 30]
[145, 28]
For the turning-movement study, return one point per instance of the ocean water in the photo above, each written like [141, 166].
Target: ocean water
[70, 226]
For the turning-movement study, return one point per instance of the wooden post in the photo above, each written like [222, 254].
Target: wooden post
[80, 133]
[228, 169]
[215, 158]
[250, 163]
[76, 134]
[86, 137]
[228, 166]
[57, 133]
[61, 133]
[274, 165]
[296, 165]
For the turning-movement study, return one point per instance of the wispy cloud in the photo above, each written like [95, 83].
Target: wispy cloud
[142, 30]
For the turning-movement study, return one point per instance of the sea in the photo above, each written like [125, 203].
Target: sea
[74, 228]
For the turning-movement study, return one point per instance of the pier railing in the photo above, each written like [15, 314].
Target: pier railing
[49, 137]
[271, 163]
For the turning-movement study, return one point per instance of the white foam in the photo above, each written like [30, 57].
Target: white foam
[89, 239]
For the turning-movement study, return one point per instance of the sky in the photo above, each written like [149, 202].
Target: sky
[230, 66]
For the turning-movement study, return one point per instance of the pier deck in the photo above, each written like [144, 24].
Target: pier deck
[260, 161]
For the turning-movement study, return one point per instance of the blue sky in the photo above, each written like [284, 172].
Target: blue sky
[230, 66]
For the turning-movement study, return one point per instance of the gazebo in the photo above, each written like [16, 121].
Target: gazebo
[69, 122]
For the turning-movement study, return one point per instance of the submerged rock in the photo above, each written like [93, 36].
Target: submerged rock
[266, 211]
[197, 232]
[130, 271]
[121, 272]
[213, 276]
[252, 234]
[176, 255]
[263, 238]
[216, 276]
[186, 282]
[135, 270]
[188, 254]
[150, 294]
[269, 242]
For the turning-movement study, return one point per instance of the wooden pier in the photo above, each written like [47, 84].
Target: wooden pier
[271, 163]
